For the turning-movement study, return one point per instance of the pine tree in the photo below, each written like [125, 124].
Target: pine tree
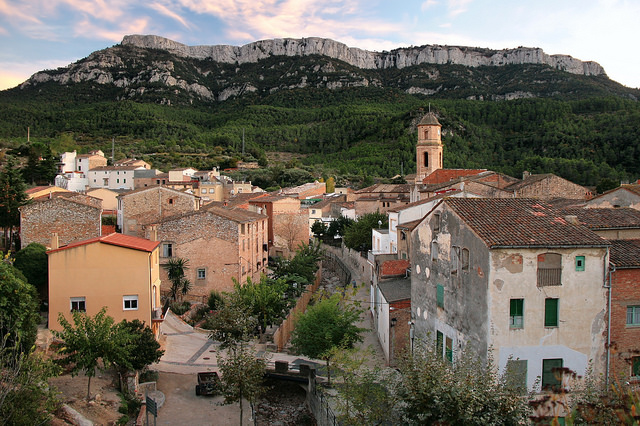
[12, 197]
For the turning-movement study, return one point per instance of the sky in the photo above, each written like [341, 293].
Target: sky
[47, 34]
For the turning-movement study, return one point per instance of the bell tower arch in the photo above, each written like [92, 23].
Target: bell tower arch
[429, 147]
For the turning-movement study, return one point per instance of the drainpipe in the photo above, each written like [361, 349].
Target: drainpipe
[611, 271]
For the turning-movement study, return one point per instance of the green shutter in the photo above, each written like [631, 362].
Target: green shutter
[551, 379]
[550, 312]
[635, 366]
[516, 313]
[579, 263]
[440, 296]
[449, 349]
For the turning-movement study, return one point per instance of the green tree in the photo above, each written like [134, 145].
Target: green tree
[358, 235]
[232, 323]
[338, 226]
[12, 197]
[25, 396]
[180, 285]
[318, 228]
[327, 324]
[143, 349]
[242, 376]
[436, 391]
[90, 340]
[19, 317]
[264, 299]
[331, 185]
[365, 394]
[32, 261]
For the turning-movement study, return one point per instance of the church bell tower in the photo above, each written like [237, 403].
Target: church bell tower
[429, 147]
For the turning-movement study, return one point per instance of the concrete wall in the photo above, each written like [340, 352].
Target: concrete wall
[617, 198]
[553, 186]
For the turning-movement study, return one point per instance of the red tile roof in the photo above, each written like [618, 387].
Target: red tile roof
[446, 175]
[606, 218]
[121, 240]
[521, 222]
[625, 253]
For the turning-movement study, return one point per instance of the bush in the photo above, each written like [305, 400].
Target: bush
[180, 308]
[148, 376]
[215, 300]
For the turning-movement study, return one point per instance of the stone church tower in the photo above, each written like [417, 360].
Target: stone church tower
[429, 147]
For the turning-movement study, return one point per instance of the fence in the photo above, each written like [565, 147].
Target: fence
[283, 333]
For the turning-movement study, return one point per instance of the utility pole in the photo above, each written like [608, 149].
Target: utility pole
[113, 149]
[243, 141]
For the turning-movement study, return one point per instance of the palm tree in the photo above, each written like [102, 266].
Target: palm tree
[175, 270]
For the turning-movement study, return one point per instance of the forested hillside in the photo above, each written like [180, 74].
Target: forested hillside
[584, 128]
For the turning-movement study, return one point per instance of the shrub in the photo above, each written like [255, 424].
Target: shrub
[215, 300]
[180, 308]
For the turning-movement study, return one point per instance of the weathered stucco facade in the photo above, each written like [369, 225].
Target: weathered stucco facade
[474, 259]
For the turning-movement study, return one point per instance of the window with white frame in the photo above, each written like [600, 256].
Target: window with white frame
[201, 273]
[633, 315]
[167, 250]
[78, 304]
[130, 303]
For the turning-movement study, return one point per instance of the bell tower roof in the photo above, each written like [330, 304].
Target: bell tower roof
[429, 120]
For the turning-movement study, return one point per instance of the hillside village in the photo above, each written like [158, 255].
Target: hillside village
[536, 273]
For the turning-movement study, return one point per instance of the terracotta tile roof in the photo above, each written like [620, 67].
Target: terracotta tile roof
[426, 200]
[625, 253]
[113, 168]
[521, 222]
[409, 225]
[236, 215]
[429, 119]
[446, 175]
[43, 188]
[155, 188]
[386, 188]
[121, 240]
[606, 218]
[394, 267]
[633, 187]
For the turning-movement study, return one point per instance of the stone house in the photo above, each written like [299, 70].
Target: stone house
[381, 197]
[220, 245]
[108, 197]
[86, 162]
[125, 162]
[288, 223]
[514, 280]
[82, 277]
[624, 355]
[610, 223]
[72, 216]
[145, 206]
[143, 178]
[43, 191]
[622, 196]
[308, 190]
[545, 186]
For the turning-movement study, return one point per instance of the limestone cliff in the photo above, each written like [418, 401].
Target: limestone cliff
[398, 58]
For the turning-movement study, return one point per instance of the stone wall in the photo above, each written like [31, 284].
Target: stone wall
[70, 220]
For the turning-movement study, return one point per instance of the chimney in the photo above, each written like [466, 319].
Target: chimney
[55, 242]
[525, 174]
[572, 219]
[153, 233]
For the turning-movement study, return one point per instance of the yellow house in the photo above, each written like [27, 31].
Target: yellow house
[116, 271]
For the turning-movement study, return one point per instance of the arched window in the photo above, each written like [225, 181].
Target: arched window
[426, 159]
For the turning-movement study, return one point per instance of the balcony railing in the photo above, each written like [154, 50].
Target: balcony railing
[549, 277]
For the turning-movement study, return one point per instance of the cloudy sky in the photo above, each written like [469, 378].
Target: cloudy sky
[46, 34]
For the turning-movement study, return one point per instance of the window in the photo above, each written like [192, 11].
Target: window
[635, 367]
[434, 251]
[550, 312]
[516, 313]
[78, 304]
[436, 222]
[167, 250]
[633, 315]
[440, 296]
[170, 200]
[579, 263]
[455, 259]
[549, 269]
[448, 349]
[551, 374]
[201, 273]
[403, 235]
[242, 228]
[517, 374]
[465, 259]
[117, 180]
[130, 303]
[439, 343]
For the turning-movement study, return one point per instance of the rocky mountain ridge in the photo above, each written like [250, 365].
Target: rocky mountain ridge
[397, 58]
